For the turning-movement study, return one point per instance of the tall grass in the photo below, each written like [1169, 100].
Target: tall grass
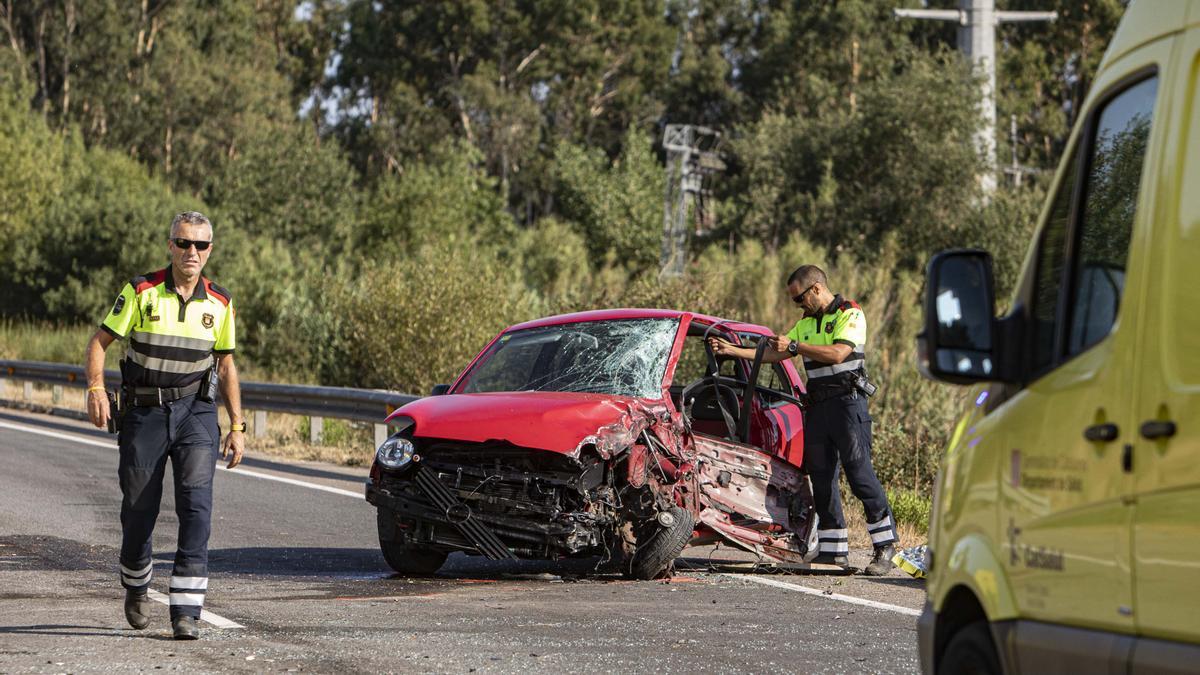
[44, 341]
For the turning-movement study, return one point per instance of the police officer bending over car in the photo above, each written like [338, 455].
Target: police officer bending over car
[180, 332]
[831, 338]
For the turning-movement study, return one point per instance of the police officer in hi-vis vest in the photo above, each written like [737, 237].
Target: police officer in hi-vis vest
[831, 338]
[180, 335]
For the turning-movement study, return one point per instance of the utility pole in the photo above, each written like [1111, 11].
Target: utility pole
[691, 157]
[977, 20]
[1015, 170]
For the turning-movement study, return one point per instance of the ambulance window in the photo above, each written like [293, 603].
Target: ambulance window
[1114, 173]
[1048, 280]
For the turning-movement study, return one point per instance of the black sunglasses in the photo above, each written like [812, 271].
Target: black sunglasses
[799, 299]
[184, 244]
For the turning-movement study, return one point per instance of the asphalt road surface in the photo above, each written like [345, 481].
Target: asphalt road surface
[297, 584]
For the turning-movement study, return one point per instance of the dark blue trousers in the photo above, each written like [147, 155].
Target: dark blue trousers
[837, 436]
[186, 432]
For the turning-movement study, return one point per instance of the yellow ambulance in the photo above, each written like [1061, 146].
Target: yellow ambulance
[1066, 528]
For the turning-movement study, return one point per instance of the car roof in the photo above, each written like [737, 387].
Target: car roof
[633, 313]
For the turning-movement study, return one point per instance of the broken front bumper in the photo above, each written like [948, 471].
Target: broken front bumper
[498, 512]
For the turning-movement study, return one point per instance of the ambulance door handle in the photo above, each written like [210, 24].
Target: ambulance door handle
[1101, 433]
[1156, 429]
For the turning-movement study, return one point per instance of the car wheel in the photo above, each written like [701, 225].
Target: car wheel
[656, 556]
[401, 556]
[971, 651]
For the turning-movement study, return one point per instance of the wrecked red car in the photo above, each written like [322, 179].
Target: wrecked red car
[615, 434]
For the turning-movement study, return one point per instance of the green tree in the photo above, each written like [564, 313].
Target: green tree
[448, 198]
[895, 163]
[1044, 71]
[617, 205]
[513, 78]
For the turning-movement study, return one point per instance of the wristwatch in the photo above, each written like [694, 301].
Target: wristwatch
[793, 348]
[238, 426]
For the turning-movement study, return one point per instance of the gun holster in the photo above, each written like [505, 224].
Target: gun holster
[208, 386]
[115, 413]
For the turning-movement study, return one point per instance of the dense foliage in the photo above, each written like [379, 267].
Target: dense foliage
[391, 183]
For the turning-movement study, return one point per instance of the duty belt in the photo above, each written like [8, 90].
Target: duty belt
[152, 396]
[825, 393]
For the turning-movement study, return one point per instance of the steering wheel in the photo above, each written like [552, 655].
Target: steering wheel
[722, 395]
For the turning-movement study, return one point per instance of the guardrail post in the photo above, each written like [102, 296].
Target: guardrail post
[56, 394]
[28, 392]
[381, 434]
[315, 426]
[260, 423]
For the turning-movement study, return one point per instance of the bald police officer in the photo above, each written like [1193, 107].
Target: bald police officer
[180, 332]
[831, 338]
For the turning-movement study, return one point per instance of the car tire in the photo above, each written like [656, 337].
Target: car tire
[656, 557]
[971, 651]
[401, 556]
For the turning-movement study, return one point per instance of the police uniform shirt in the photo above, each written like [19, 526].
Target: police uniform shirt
[171, 342]
[842, 322]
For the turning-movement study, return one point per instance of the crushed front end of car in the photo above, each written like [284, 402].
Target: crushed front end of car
[504, 501]
[530, 459]
[559, 441]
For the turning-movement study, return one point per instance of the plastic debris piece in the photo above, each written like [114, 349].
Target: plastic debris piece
[912, 561]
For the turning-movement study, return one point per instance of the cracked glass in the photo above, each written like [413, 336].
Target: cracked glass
[624, 358]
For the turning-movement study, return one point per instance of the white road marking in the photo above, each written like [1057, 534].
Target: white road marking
[205, 615]
[237, 472]
[822, 594]
[55, 434]
[293, 481]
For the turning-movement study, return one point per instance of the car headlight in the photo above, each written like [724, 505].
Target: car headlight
[395, 452]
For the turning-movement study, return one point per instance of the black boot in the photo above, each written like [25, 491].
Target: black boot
[137, 608]
[881, 562]
[185, 628]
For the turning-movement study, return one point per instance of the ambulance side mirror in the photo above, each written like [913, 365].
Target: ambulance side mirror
[959, 342]
[439, 390]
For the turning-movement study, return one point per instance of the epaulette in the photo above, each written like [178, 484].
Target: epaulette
[223, 296]
[148, 281]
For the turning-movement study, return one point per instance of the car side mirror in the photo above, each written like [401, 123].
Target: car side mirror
[439, 390]
[959, 343]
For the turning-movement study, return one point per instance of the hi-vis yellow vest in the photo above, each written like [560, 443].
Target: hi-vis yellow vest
[842, 322]
[170, 342]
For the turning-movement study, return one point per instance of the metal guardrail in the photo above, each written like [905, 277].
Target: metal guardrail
[363, 405]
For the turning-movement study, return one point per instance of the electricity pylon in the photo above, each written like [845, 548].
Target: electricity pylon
[691, 157]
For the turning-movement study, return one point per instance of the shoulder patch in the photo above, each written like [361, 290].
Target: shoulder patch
[849, 304]
[223, 296]
[148, 281]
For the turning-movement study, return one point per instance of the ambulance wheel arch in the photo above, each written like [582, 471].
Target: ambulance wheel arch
[976, 589]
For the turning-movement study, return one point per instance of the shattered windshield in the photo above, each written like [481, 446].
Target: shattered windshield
[625, 358]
